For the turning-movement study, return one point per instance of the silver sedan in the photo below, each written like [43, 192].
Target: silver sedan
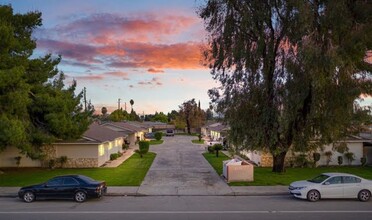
[332, 185]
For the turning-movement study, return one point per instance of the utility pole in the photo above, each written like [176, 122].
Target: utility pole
[119, 103]
[125, 106]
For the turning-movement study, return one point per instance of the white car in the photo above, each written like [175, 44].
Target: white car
[332, 185]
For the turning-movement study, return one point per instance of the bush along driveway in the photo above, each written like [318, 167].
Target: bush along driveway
[130, 173]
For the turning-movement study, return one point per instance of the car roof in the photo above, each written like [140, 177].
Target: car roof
[338, 174]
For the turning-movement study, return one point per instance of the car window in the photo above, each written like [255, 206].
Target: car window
[55, 182]
[319, 179]
[70, 181]
[351, 179]
[335, 180]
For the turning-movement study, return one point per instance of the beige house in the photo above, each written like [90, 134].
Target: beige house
[132, 131]
[355, 144]
[92, 150]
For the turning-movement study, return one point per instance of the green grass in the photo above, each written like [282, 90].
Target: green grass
[156, 142]
[197, 141]
[263, 176]
[130, 173]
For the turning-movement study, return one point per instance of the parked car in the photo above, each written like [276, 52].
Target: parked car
[77, 187]
[169, 132]
[332, 185]
[150, 135]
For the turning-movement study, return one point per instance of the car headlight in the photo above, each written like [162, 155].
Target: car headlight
[299, 187]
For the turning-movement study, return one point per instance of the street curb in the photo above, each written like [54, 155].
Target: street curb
[144, 195]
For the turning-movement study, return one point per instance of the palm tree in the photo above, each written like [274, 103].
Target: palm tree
[104, 110]
[131, 103]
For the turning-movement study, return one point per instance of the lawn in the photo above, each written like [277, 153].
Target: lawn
[156, 142]
[130, 173]
[197, 141]
[264, 177]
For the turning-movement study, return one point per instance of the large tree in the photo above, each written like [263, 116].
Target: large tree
[192, 115]
[290, 71]
[35, 105]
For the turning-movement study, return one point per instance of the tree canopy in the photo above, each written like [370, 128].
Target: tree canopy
[290, 71]
[35, 105]
[191, 114]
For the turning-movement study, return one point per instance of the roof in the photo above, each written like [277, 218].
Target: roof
[100, 133]
[338, 174]
[218, 128]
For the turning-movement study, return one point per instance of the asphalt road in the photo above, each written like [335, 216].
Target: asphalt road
[186, 207]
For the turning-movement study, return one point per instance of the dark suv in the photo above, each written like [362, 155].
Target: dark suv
[170, 132]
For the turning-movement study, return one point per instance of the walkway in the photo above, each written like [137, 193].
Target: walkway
[180, 169]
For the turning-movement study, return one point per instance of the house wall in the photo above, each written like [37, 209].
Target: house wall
[266, 160]
[78, 155]
[356, 148]
[7, 159]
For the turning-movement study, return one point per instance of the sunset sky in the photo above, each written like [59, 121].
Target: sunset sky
[145, 50]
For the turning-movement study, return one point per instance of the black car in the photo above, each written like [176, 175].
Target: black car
[170, 132]
[77, 187]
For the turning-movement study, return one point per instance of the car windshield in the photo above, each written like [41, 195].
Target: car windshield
[319, 179]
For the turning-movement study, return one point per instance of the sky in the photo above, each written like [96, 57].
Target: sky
[146, 50]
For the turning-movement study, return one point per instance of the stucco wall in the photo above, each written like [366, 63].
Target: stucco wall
[7, 159]
[266, 160]
[356, 148]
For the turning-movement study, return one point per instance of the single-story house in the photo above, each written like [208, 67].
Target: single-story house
[93, 149]
[134, 132]
[159, 126]
[359, 146]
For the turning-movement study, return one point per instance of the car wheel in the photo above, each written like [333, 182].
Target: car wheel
[313, 195]
[80, 196]
[364, 195]
[29, 197]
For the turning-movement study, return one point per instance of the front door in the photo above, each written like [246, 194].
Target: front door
[332, 188]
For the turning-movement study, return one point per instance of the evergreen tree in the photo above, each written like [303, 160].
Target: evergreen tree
[35, 105]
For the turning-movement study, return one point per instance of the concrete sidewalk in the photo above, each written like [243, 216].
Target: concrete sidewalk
[133, 191]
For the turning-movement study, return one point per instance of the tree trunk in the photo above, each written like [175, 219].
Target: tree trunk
[278, 163]
[188, 124]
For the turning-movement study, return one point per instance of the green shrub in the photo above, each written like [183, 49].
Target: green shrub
[301, 160]
[340, 160]
[125, 146]
[350, 157]
[52, 164]
[114, 156]
[18, 160]
[211, 149]
[363, 160]
[328, 154]
[158, 136]
[200, 137]
[62, 160]
[217, 148]
[143, 148]
[316, 158]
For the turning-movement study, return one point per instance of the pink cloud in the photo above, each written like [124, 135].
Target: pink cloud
[152, 70]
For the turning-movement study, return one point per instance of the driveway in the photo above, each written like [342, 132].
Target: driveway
[180, 169]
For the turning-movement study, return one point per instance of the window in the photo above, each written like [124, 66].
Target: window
[70, 181]
[335, 180]
[55, 182]
[351, 179]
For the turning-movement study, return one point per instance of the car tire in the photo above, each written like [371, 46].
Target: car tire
[313, 195]
[364, 195]
[80, 196]
[28, 197]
